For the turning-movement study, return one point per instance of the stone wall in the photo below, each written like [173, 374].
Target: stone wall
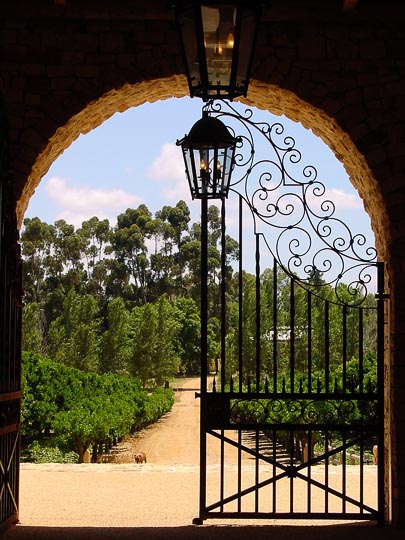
[67, 66]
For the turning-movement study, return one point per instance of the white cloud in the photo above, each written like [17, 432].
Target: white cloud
[168, 167]
[78, 203]
[342, 199]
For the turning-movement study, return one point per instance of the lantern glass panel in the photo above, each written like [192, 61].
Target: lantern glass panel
[226, 161]
[191, 171]
[219, 38]
[190, 34]
[249, 18]
[213, 172]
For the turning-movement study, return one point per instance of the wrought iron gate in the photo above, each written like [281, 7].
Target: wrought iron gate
[292, 418]
[10, 352]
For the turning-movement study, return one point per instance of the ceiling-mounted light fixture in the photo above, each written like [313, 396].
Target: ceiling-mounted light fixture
[218, 41]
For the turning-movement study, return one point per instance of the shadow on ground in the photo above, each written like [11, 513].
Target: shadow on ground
[207, 532]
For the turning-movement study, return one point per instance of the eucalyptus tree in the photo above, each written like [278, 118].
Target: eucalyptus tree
[188, 336]
[129, 245]
[34, 328]
[154, 330]
[166, 361]
[95, 235]
[178, 217]
[67, 252]
[161, 260]
[115, 344]
[142, 338]
[169, 230]
[190, 260]
[73, 338]
[37, 241]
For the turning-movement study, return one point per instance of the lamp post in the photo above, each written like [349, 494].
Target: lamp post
[208, 152]
[218, 41]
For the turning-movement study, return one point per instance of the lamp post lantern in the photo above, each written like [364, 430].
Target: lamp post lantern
[208, 152]
[218, 41]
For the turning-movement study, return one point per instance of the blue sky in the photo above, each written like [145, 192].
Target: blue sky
[132, 159]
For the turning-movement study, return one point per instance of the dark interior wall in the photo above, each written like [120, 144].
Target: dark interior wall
[66, 66]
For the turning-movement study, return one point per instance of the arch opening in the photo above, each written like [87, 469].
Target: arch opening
[339, 144]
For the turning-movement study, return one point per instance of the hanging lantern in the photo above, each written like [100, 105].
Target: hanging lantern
[208, 152]
[218, 41]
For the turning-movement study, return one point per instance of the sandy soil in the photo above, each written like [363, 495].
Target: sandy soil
[161, 493]
[174, 440]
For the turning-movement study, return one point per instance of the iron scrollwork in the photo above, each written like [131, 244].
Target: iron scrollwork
[308, 238]
[303, 411]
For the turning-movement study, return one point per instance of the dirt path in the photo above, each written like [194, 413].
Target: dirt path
[174, 440]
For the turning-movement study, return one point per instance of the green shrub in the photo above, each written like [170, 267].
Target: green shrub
[45, 453]
[82, 410]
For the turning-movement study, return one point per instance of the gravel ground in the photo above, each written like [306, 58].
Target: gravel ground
[156, 500]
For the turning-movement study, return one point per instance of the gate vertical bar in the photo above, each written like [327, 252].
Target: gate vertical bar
[275, 374]
[292, 336]
[240, 288]
[309, 502]
[239, 469]
[204, 293]
[344, 339]
[257, 465]
[258, 361]
[274, 467]
[223, 335]
[327, 351]
[258, 325]
[309, 346]
[361, 486]
[327, 471]
[361, 351]
[240, 343]
[223, 294]
[204, 353]
[344, 473]
[381, 296]
[291, 466]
